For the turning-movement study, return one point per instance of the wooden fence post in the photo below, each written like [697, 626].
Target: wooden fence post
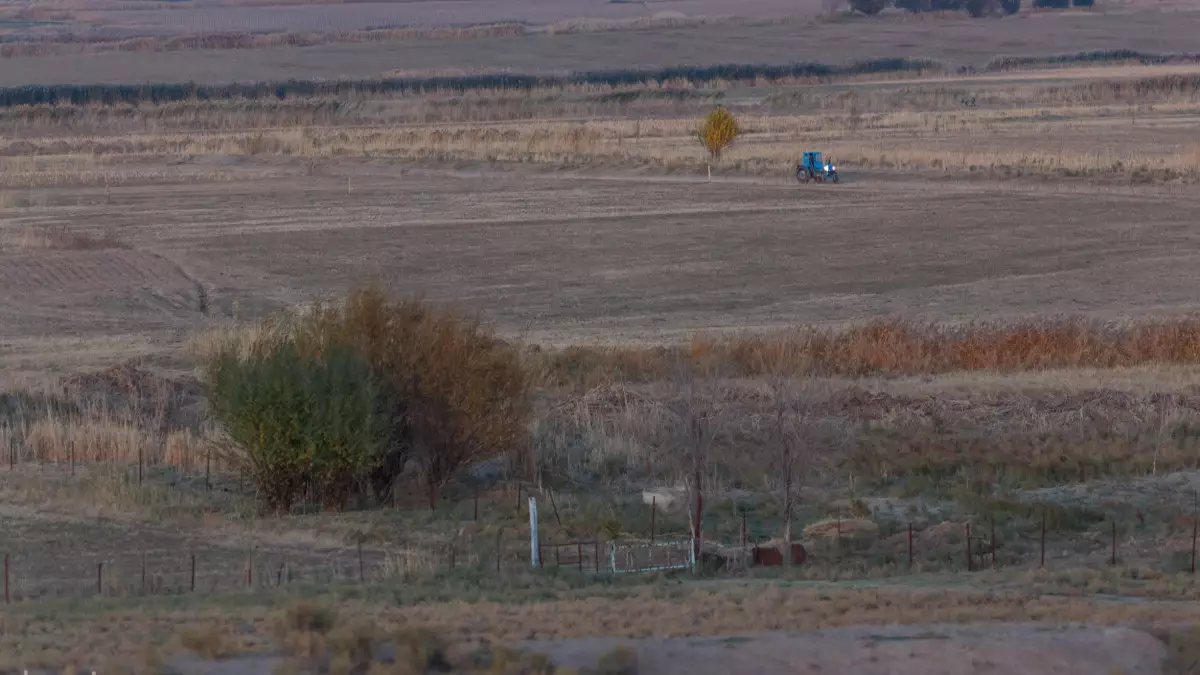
[910, 546]
[1193, 544]
[993, 543]
[970, 562]
[1114, 540]
[1043, 563]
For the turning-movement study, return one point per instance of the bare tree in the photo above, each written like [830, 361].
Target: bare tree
[787, 449]
[696, 410]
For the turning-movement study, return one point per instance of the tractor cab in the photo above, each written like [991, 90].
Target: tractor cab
[812, 168]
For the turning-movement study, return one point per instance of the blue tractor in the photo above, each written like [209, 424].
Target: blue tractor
[811, 168]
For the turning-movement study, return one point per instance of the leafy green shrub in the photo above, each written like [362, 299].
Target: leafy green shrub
[303, 421]
[382, 332]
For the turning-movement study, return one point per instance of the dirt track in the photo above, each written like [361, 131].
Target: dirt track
[1029, 649]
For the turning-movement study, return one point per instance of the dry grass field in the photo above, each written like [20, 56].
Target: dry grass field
[989, 323]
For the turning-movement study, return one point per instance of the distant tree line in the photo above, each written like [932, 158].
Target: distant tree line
[134, 94]
[976, 8]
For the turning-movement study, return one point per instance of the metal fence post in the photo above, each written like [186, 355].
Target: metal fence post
[535, 552]
[653, 512]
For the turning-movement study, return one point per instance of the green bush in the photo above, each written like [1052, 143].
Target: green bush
[445, 391]
[303, 421]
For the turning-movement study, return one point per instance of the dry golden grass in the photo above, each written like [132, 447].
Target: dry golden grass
[891, 348]
[915, 125]
[947, 142]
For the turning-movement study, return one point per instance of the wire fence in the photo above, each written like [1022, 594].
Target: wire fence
[831, 548]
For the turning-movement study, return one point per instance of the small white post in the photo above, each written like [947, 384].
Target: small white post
[533, 533]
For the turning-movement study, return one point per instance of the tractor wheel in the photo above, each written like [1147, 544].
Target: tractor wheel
[803, 175]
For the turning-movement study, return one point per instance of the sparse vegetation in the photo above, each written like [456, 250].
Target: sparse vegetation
[841, 437]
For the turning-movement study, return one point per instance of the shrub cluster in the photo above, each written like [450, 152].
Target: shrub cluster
[343, 398]
[976, 8]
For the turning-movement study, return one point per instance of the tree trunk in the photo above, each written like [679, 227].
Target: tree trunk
[433, 495]
[698, 528]
[787, 536]
[788, 507]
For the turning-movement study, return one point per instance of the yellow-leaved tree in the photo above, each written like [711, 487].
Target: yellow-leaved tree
[718, 131]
